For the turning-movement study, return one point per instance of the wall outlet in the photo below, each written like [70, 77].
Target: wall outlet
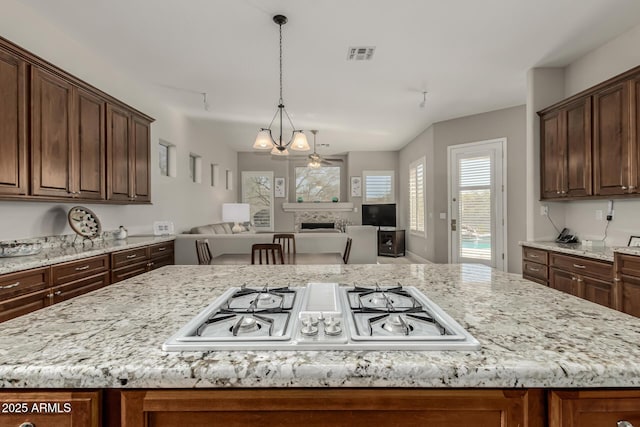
[599, 214]
[544, 210]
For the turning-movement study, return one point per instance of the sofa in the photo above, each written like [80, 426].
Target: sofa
[223, 241]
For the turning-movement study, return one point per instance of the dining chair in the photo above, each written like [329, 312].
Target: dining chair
[203, 251]
[287, 241]
[347, 251]
[267, 248]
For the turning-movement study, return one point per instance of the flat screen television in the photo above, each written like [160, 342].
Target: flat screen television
[379, 215]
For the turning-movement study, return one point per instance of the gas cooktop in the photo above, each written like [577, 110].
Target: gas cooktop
[322, 316]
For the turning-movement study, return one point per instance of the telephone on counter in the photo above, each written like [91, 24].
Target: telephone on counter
[565, 236]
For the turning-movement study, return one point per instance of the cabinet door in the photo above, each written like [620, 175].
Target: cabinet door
[577, 168]
[119, 173]
[89, 152]
[598, 291]
[339, 408]
[13, 133]
[631, 295]
[552, 155]
[50, 408]
[23, 304]
[634, 172]
[51, 134]
[564, 281]
[141, 159]
[593, 408]
[611, 149]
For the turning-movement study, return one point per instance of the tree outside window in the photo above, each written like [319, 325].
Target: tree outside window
[318, 185]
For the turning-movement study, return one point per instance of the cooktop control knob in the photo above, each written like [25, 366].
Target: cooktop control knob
[308, 328]
[332, 329]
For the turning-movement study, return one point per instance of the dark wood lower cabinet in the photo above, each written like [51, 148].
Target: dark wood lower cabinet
[584, 408]
[45, 408]
[333, 407]
[564, 281]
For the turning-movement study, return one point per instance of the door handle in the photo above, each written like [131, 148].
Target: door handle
[453, 225]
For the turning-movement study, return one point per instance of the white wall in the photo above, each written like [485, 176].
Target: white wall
[614, 57]
[174, 199]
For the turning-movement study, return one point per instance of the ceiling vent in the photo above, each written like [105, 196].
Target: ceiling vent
[360, 53]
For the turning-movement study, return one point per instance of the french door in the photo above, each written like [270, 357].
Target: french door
[477, 203]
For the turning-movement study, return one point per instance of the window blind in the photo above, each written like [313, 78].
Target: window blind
[416, 197]
[378, 187]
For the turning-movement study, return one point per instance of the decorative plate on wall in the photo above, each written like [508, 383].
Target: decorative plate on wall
[84, 222]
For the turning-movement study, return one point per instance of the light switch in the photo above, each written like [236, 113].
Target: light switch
[443, 215]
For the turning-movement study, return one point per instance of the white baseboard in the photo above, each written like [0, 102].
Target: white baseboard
[417, 258]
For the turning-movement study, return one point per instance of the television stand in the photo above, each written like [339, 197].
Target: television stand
[391, 242]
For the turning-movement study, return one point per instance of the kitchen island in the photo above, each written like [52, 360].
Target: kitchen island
[532, 337]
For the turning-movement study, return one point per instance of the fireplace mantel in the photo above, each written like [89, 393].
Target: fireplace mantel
[321, 206]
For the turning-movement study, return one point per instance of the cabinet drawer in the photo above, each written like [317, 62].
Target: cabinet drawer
[539, 256]
[79, 287]
[628, 264]
[593, 408]
[160, 262]
[23, 304]
[533, 269]
[130, 257]
[70, 271]
[62, 408]
[129, 271]
[583, 266]
[14, 284]
[161, 250]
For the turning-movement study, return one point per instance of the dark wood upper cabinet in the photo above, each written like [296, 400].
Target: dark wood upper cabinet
[13, 122]
[119, 173]
[577, 131]
[64, 140]
[566, 151]
[89, 153]
[611, 140]
[51, 134]
[552, 154]
[590, 143]
[142, 159]
[128, 153]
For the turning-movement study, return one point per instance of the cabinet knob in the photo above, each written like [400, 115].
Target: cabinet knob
[57, 293]
[624, 423]
[632, 187]
[564, 192]
[557, 192]
[623, 187]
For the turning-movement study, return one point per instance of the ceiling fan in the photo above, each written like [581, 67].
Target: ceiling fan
[315, 160]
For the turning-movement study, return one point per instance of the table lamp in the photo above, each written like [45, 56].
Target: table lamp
[236, 213]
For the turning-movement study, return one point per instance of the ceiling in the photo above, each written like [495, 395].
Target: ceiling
[471, 56]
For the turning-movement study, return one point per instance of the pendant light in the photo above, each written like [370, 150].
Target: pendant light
[265, 139]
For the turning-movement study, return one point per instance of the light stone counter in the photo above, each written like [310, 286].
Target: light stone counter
[531, 336]
[56, 254]
[604, 253]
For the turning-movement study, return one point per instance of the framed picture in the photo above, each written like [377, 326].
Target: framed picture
[279, 187]
[634, 241]
[356, 186]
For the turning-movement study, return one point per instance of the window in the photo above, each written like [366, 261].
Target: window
[195, 168]
[318, 185]
[416, 197]
[378, 187]
[167, 158]
[257, 190]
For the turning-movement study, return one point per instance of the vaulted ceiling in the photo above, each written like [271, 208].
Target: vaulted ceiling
[471, 56]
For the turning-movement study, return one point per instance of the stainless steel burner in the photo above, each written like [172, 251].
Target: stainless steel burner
[397, 325]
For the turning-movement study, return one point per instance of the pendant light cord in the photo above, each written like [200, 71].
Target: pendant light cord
[280, 25]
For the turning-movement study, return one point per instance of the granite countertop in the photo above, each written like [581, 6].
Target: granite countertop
[531, 336]
[604, 253]
[64, 253]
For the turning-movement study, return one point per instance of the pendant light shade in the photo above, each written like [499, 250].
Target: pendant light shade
[300, 142]
[263, 140]
[276, 151]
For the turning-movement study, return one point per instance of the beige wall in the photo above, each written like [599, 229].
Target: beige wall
[508, 123]
[359, 161]
[421, 146]
[176, 199]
